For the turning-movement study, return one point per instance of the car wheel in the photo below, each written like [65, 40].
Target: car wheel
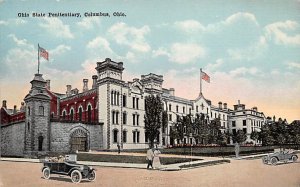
[92, 176]
[76, 176]
[46, 173]
[265, 160]
[294, 158]
[274, 161]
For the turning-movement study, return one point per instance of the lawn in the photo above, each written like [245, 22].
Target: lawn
[128, 159]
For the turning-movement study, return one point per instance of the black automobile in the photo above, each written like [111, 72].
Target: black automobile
[75, 171]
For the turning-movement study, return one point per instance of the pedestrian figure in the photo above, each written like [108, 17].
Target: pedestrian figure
[119, 148]
[149, 158]
[237, 150]
[156, 160]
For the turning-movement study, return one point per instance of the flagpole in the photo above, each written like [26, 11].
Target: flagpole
[38, 58]
[200, 81]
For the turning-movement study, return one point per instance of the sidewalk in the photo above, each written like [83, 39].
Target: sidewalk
[169, 167]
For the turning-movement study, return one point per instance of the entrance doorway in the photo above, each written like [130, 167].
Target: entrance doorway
[78, 140]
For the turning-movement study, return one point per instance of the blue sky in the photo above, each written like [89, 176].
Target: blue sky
[250, 49]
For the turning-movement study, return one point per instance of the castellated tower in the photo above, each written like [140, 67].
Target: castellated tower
[37, 124]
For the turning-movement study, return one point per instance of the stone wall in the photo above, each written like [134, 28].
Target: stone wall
[61, 135]
[12, 139]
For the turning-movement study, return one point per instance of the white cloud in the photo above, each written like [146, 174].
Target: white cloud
[99, 43]
[293, 65]
[130, 36]
[19, 42]
[241, 71]
[160, 52]
[89, 23]
[56, 27]
[183, 53]
[240, 16]
[2, 22]
[189, 26]
[59, 50]
[249, 53]
[215, 66]
[276, 32]
[16, 21]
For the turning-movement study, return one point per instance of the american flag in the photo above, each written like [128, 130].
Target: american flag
[205, 77]
[44, 53]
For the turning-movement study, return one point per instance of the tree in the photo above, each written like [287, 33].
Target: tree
[239, 137]
[254, 136]
[153, 117]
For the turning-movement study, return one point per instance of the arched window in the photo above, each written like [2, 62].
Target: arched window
[115, 134]
[29, 111]
[89, 113]
[52, 115]
[28, 126]
[112, 97]
[40, 143]
[64, 114]
[118, 97]
[124, 118]
[124, 136]
[80, 114]
[117, 117]
[41, 110]
[113, 117]
[124, 100]
[72, 114]
[115, 97]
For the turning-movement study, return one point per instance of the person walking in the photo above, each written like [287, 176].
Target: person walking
[149, 158]
[119, 148]
[156, 161]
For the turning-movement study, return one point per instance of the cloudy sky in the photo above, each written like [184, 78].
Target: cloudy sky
[250, 49]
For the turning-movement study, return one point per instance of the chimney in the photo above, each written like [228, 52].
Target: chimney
[48, 84]
[172, 91]
[94, 77]
[69, 87]
[85, 85]
[22, 108]
[255, 109]
[225, 105]
[4, 104]
[220, 105]
[15, 109]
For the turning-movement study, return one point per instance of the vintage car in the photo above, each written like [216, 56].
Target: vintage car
[69, 168]
[282, 156]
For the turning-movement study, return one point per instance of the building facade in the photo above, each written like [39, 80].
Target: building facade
[111, 112]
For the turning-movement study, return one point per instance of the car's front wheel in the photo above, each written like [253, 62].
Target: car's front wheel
[274, 161]
[76, 176]
[46, 173]
[92, 176]
[294, 158]
[265, 159]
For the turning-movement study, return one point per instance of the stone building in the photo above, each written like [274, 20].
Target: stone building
[111, 112]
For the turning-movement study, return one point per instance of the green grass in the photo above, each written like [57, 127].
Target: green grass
[128, 159]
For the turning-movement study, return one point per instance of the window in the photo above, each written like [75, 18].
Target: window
[124, 136]
[137, 103]
[29, 111]
[184, 129]
[211, 114]
[245, 130]
[244, 122]
[183, 109]
[113, 117]
[133, 136]
[52, 115]
[215, 115]
[137, 119]
[197, 108]
[124, 100]
[89, 113]
[124, 118]
[115, 97]
[190, 110]
[177, 108]
[80, 114]
[170, 117]
[28, 126]
[115, 132]
[40, 140]
[133, 119]
[146, 137]
[233, 123]
[137, 136]
[170, 107]
[112, 97]
[223, 117]
[72, 114]
[118, 98]
[133, 102]
[41, 110]
[117, 117]
[206, 110]
[64, 114]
